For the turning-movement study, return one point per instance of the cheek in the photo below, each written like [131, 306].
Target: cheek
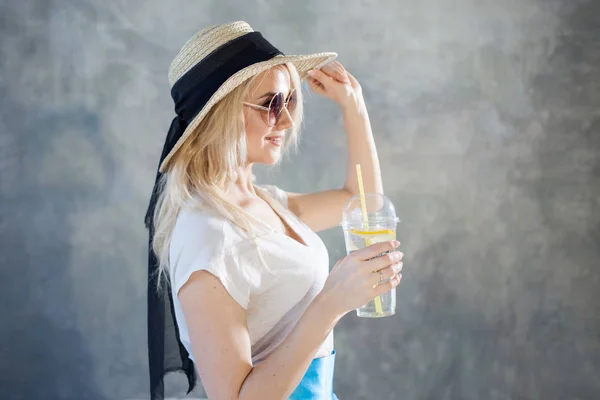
[255, 127]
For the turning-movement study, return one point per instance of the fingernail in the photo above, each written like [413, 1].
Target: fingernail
[311, 72]
[396, 243]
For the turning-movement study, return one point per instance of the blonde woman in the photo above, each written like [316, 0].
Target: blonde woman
[247, 299]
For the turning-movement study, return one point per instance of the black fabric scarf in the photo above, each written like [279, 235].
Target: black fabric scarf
[192, 91]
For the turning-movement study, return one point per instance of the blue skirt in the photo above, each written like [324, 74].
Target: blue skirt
[317, 383]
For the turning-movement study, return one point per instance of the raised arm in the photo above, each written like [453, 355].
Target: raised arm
[323, 210]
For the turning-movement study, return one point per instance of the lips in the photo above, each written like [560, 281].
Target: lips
[276, 140]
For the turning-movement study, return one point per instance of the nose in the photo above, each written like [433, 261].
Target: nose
[285, 121]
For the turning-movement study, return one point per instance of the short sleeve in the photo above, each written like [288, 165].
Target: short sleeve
[199, 243]
[277, 193]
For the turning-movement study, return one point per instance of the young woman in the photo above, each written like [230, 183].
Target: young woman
[251, 300]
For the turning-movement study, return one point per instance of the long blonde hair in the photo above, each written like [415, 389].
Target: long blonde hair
[208, 161]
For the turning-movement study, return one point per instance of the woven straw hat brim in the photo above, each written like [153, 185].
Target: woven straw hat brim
[303, 64]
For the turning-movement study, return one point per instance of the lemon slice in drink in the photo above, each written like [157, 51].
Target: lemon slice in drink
[375, 236]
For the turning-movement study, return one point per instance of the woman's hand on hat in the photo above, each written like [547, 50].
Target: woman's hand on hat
[336, 83]
[336, 70]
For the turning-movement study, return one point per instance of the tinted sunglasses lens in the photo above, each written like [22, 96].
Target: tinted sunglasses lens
[276, 107]
[291, 105]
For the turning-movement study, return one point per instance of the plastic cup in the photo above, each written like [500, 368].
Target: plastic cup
[380, 227]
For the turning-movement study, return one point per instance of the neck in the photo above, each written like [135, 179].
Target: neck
[243, 184]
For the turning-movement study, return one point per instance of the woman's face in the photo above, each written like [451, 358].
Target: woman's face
[265, 143]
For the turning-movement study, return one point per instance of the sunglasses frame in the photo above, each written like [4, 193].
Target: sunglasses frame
[268, 109]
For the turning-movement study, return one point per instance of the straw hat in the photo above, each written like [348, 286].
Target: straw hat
[204, 44]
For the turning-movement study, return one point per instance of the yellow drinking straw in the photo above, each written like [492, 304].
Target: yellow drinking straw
[363, 204]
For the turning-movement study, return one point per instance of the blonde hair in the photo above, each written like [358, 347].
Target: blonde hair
[209, 160]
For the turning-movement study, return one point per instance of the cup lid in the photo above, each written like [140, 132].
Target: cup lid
[380, 211]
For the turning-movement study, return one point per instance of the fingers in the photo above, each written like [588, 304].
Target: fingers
[385, 274]
[316, 85]
[337, 71]
[320, 76]
[383, 261]
[387, 286]
[374, 250]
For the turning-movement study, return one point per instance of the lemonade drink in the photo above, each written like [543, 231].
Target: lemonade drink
[379, 226]
[357, 239]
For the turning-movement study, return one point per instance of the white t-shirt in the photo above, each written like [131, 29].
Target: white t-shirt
[276, 295]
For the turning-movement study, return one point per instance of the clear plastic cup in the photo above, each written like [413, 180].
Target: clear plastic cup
[381, 227]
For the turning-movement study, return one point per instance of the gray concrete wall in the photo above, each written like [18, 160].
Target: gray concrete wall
[487, 117]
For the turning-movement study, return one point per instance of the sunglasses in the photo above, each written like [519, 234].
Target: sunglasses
[272, 110]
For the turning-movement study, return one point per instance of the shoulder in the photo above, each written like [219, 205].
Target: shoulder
[193, 227]
[202, 241]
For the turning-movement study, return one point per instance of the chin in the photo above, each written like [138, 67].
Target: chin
[268, 158]
[271, 160]
[267, 155]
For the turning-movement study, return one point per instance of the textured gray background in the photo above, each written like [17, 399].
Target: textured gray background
[487, 117]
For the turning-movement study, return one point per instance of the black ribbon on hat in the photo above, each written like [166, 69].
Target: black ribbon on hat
[190, 93]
